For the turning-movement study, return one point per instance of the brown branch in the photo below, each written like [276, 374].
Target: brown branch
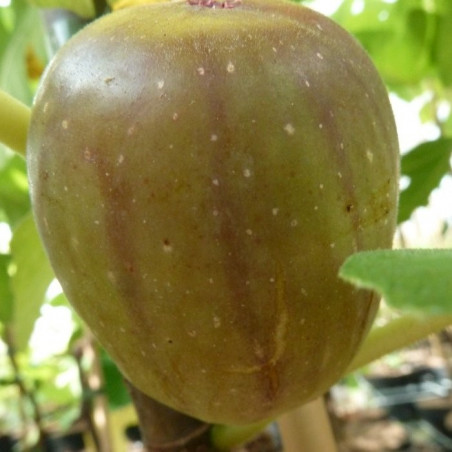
[166, 430]
[94, 408]
[25, 393]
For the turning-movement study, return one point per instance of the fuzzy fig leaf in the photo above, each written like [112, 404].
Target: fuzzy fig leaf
[409, 280]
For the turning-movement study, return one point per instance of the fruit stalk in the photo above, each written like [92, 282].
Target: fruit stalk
[14, 121]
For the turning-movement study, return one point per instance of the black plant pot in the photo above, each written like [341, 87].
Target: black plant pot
[73, 442]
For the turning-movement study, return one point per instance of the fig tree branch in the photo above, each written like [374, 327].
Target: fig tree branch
[310, 426]
[14, 121]
[25, 392]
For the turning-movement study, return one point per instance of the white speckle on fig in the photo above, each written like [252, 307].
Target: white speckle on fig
[370, 155]
[120, 159]
[122, 329]
[215, 182]
[294, 223]
[289, 128]
[201, 71]
[160, 84]
[213, 137]
[65, 123]
[319, 56]
[306, 82]
[216, 322]
[275, 211]
[46, 106]
[131, 130]
[249, 232]
[247, 172]
[230, 67]
[175, 116]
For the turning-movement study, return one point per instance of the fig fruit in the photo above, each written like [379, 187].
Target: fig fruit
[198, 176]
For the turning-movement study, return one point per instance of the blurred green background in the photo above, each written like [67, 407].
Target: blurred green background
[53, 375]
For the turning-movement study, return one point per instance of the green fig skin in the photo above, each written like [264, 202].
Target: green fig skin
[198, 176]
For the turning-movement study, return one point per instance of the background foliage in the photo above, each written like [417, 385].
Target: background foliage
[411, 45]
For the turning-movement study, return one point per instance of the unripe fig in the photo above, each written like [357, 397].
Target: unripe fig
[198, 176]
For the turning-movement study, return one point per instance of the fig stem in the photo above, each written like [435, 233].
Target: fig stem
[395, 335]
[226, 437]
[14, 122]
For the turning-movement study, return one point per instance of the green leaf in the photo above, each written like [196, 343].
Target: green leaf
[369, 17]
[83, 8]
[425, 165]
[24, 38]
[30, 281]
[403, 56]
[397, 35]
[14, 198]
[443, 47]
[410, 280]
[114, 386]
[6, 296]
